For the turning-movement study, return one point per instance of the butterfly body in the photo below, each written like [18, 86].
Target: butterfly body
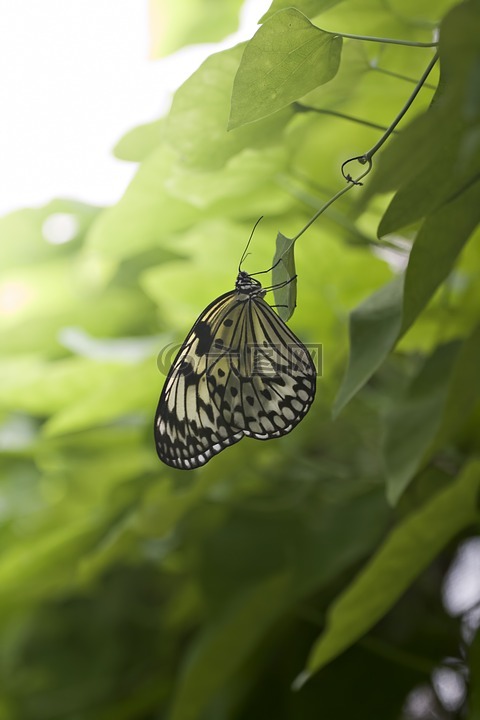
[240, 372]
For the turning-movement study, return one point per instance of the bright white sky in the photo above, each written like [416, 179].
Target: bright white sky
[75, 76]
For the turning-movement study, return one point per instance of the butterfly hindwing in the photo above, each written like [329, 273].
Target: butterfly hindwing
[273, 386]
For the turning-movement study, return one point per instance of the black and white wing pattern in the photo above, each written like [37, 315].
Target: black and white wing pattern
[240, 372]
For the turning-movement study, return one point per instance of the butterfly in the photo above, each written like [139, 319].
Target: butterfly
[240, 372]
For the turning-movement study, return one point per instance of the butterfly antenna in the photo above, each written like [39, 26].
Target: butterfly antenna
[245, 253]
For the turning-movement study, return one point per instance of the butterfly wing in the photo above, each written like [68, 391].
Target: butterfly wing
[271, 379]
[189, 428]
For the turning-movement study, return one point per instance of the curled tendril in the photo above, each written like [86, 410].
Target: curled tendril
[363, 160]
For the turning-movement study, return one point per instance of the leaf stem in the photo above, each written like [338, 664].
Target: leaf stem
[399, 76]
[323, 111]
[386, 41]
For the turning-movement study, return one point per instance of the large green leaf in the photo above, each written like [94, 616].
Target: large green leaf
[436, 248]
[221, 650]
[310, 8]
[286, 58]
[374, 329]
[463, 391]
[137, 144]
[434, 410]
[316, 553]
[380, 19]
[411, 546]
[248, 171]
[413, 423]
[377, 324]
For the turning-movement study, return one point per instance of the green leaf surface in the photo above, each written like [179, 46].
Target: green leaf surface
[287, 58]
[411, 546]
[463, 391]
[436, 248]
[315, 554]
[420, 195]
[138, 143]
[310, 8]
[412, 425]
[377, 18]
[248, 171]
[374, 329]
[378, 323]
[213, 661]
[284, 272]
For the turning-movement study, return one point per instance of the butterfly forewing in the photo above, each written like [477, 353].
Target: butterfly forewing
[241, 371]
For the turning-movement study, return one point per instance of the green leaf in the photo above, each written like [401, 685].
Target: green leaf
[436, 248]
[310, 8]
[380, 19]
[374, 329]
[379, 322]
[220, 651]
[246, 172]
[420, 196]
[412, 425]
[463, 391]
[409, 549]
[286, 58]
[138, 143]
[316, 554]
[284, 271]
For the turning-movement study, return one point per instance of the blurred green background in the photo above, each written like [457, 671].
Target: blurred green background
[132, 591]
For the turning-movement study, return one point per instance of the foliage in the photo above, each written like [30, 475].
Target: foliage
[133, 591]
